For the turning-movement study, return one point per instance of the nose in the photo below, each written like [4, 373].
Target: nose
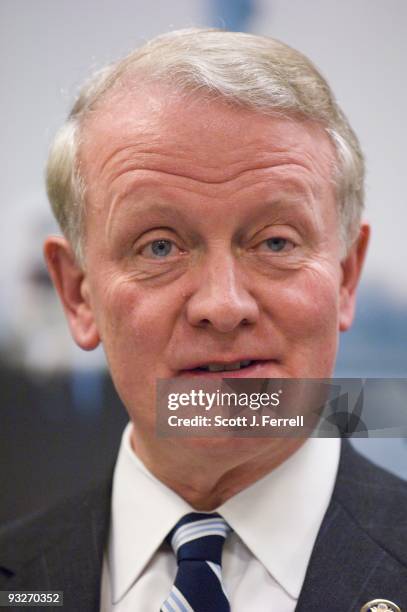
[222, 302]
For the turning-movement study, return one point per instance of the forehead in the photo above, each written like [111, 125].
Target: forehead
[207, 140]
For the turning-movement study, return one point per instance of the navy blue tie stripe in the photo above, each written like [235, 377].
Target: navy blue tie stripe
[197, 540]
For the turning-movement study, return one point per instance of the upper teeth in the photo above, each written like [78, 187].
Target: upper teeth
[220, 367]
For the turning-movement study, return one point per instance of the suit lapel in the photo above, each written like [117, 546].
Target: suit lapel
[62, 550]
[348, 566]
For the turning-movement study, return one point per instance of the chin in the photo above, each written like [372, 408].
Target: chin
[230, 446]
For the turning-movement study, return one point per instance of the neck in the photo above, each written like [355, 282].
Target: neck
[207, 472]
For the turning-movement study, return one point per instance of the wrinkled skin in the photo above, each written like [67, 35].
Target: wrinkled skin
[212, 235]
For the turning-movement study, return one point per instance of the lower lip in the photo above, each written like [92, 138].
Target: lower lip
[258, 369]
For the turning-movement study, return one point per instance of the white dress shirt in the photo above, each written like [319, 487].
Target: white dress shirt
[275, 523]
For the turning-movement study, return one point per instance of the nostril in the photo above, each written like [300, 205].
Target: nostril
[208, 322]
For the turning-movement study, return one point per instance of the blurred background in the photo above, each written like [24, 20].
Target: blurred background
[60, 419]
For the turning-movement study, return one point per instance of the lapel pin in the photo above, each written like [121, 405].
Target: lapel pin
[380, 605]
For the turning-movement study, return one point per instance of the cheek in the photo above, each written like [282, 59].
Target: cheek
[135, 322]
[135, 327]
[314, 303]
[308, 314]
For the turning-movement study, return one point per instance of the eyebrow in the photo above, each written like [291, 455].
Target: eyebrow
[167, 211]
[294, 197]
[170, 213]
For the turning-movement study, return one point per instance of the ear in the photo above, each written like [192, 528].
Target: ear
[351, 269]
[72, 286]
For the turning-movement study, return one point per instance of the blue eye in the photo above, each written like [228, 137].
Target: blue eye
[276, 244]
[160, 248]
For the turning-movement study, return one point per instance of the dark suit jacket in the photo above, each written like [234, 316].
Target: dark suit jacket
[360, 553]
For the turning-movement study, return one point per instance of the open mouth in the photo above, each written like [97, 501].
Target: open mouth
[226, 367]
[245, 367]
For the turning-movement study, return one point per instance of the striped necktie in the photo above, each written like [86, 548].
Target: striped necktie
[197, 540]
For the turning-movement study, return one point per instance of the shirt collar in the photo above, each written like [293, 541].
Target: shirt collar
[144, 510]
[288, 505]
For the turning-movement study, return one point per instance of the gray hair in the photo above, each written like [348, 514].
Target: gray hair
[251, 71]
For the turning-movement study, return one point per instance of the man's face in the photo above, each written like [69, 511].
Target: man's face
[212, 237]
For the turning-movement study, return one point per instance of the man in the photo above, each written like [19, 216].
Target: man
[210, 193]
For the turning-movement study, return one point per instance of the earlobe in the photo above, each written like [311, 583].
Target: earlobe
[351, 270]
[72, 286]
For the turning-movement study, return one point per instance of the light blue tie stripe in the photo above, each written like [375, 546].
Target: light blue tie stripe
[180, 600]
[202, 523]
[197, 536]
[190, 532]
